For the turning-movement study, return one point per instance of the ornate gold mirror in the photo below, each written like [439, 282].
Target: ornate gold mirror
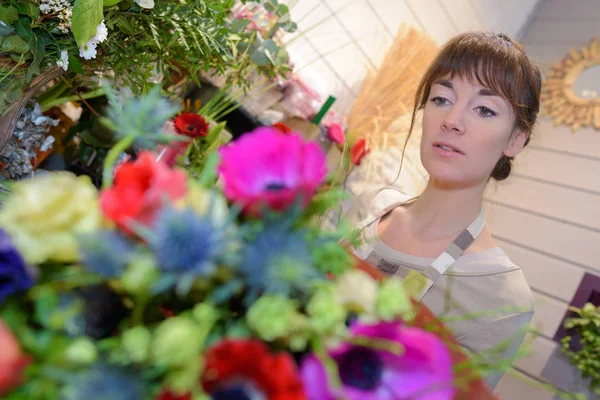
[571, 91]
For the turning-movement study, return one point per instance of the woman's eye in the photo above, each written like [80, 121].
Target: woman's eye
[439, 101]
[486, 112]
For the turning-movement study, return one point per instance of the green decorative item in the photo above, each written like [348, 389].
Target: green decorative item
[586, 325]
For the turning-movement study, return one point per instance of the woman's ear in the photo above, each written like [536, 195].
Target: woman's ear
[516, 143]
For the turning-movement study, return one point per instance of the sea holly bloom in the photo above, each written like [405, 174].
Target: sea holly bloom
[188, 245]
[268, 168]
[419, 368]
[140, 190]
[103, 382]
[278, 261]
[245, 369]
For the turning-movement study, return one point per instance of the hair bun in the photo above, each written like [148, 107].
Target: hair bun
[502, 169]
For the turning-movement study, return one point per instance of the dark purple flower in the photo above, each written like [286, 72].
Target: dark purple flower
[13, 274]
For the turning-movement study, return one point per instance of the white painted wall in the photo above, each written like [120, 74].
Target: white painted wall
[339, 40]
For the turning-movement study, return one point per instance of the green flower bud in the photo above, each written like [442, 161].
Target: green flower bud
[176, 341]
[185, 378]
[274, 316]
[140, 275]
[393, 302]
[82, 351]
[136, 343]
[326, 312]
[205, 313]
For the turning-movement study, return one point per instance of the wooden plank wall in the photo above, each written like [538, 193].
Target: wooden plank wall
[339, 40]
[547, 216]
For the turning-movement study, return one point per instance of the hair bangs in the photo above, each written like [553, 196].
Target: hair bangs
[492, 65]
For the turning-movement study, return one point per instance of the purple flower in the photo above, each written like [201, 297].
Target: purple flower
[13, 274]
[423, 371]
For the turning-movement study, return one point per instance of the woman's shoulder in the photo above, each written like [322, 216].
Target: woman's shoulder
[373, 204]
[492, 272]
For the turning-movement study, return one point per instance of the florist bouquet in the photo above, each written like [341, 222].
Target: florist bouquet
[223, 286]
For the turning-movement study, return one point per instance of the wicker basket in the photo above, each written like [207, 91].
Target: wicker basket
[9, 118]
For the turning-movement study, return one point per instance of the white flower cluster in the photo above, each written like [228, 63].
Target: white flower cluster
[62, 9]
[64, 60]
[88, 50]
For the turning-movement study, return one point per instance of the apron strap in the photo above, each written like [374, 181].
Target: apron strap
[455, 249]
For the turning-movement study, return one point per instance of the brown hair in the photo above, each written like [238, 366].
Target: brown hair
[496, 62]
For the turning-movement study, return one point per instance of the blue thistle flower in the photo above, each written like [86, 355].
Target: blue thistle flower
[189, 245]
[279, 261]
[103, 382]
[105, 253]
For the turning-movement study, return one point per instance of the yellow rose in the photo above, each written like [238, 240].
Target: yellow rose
[46, 214]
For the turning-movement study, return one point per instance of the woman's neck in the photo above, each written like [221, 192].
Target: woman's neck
[445, 211]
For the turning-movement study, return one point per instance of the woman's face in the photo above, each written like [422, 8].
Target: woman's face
[466, 129]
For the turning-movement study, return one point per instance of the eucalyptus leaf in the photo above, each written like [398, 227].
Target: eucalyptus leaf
[8, 14]
[15, 44]
[87, 15]
[239, 25]
[289, 27]
[282, 10]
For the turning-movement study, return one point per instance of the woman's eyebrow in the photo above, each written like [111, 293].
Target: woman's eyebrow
[444, 82]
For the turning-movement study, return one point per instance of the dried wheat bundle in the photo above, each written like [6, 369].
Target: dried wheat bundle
[388, 93]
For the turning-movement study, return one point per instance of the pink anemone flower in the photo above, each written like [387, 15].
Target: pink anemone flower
[266, 168]
[422, 371]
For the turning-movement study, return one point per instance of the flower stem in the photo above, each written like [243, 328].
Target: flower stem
[138, 310]
[111, 159]
[331, 368]
[61, 100]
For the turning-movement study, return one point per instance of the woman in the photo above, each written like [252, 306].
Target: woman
[479, 99]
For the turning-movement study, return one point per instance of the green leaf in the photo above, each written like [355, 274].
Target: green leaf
[239, 25]
[23, 28]
[39, 50]
[8, 15]
[29, 7]
[110, 3]
[46, 301]
[87, 15]
[75, 64]
[5, 29]
[15, 44]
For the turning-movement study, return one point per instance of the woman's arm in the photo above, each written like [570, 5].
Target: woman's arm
[497, 342]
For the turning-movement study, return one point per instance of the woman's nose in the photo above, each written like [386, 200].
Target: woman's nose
[454, 120]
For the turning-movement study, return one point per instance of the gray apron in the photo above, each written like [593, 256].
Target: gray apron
[419, 283]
